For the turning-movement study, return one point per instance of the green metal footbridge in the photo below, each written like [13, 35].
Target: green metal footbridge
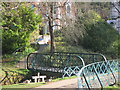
[92, 70]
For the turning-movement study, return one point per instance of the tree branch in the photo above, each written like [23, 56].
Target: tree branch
[116, 8]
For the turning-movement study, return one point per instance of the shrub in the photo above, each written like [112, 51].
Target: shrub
[91, 32]
[99, 37]
[17, 25]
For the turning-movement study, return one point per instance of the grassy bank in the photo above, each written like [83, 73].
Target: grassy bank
[12, 75]
[33, 85]
[115, 87]
[62, 46]
[23, 85]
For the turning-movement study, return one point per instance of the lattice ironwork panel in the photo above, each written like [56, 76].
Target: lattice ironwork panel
[87, 57]
[71, 70]
[99, 74]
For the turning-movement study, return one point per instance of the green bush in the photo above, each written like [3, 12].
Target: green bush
[12, 59]
[114, 50]
[99, 37]
[17, 25]
[91, 32]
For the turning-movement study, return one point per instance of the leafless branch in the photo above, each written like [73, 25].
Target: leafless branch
[116, 8]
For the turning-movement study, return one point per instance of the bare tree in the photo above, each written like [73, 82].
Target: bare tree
[47, 10]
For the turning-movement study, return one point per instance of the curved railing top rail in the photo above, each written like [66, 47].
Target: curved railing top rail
[63, 58]
[70, 53]
[83, 54]
[88, 57]
[78, 53]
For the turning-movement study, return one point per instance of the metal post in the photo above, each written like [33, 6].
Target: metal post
[98, 77]
[111, 72]
[86, 81]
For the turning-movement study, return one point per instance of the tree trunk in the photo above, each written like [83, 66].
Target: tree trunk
[52, 46]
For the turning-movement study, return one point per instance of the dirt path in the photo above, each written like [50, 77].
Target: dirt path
[70, 83]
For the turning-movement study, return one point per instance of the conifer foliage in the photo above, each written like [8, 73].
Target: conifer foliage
[18, 21]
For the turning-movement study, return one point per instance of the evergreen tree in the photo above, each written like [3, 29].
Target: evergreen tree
[19, 20]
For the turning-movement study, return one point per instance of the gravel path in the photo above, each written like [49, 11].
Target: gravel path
[70, 83]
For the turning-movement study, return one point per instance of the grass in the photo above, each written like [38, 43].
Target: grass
[9, 68]
[61, 45]
[112, 88]
[24, 85]
[33, 85]
[64, 47]
[115, 87]
[15, 72]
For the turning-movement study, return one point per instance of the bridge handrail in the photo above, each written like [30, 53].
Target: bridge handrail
[79, 54]
[103, 57]
[69, 53]
[72, 53]
[83, 68]
[67, 62]
[80, 58]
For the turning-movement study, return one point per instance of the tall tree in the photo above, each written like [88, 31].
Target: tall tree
[19, 20]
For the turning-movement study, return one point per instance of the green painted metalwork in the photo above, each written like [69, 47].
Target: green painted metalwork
[66, 64]
[87, 57]
[99, 74]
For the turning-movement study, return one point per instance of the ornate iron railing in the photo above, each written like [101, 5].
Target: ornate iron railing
[55, 63]
[99, 74]
[87, 57]
[65, 62]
